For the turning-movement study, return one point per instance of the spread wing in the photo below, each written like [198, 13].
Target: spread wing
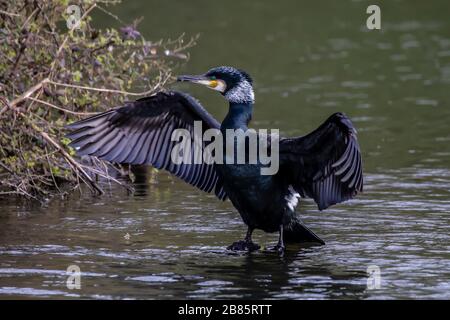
[140, 133]
[326, 164]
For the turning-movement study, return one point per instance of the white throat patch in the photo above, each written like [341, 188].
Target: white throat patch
[242, 93]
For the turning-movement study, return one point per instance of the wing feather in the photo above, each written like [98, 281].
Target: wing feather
[140, 132]
[326, 164]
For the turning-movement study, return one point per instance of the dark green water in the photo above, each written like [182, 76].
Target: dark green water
[308, 59]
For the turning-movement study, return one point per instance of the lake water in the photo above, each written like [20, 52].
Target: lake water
[308, 60]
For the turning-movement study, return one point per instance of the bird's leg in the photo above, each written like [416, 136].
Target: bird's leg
[248, 236]
[280, 247]
[248, 239]
[246, 244]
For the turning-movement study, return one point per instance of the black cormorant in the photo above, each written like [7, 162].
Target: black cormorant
[324, 165]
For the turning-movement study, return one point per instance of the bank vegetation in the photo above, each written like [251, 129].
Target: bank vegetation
[57, 67]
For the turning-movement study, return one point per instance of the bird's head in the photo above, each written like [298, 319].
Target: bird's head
[235, 85]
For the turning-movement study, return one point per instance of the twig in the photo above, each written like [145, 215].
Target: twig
[6, 105]
[67, 38]
[51, 172]
[110, 42]
[103, 90]
[28, 93]
[70, 160]
[9, 14]
[6, 168]
[111, 15]
[29, 18]
[22, 48]
[62, 109]
[108, 177]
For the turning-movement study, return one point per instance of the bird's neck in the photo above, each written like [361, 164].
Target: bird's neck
[238, 117]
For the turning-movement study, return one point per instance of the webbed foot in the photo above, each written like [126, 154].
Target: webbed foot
[244, 245]
[280, 249]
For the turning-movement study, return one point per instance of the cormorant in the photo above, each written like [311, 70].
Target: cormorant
[324, 165]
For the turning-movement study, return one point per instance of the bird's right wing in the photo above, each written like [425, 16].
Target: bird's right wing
[140, 133]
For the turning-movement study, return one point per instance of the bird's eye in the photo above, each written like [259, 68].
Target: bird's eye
[212, 78]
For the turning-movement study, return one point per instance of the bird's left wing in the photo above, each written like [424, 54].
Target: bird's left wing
[140, 132]
[326, 164]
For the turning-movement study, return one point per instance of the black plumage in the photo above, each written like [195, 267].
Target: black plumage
[324, 165]
[140, 133]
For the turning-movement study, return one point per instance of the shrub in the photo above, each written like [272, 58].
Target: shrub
[51, 75]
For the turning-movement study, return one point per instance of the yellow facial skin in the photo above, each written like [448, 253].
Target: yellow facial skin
[218, 85]
[203, 82]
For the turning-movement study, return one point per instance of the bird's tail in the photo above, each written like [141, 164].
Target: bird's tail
[296, 231]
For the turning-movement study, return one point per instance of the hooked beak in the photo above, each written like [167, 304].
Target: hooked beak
[201, 79]
[217, 85]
